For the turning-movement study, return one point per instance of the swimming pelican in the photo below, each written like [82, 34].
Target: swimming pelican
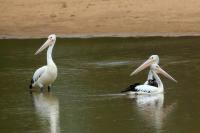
[153, 59]
[148, 89]
[46, 75]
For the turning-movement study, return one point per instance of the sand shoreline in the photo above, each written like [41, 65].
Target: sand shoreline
[99, 18]
[109, 35]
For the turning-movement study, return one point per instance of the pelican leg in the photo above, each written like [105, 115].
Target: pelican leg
[41, 87]
[30, 86]
[30, 91]
[49, 88]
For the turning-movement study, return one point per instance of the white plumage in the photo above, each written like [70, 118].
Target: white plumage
[46, 75]
[147, 88]
[38, 73]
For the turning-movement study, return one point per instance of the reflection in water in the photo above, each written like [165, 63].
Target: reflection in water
[90, 68]
[47, 108]
[152, 109]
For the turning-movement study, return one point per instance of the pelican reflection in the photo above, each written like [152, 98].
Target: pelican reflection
[151, 108]
[47, 108]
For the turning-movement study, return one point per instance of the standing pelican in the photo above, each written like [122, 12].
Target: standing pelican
[46, 75]
[148, 89]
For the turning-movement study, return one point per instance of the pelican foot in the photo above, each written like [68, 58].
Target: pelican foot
[49, 88]
[30, 86]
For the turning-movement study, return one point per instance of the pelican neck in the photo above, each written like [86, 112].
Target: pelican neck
[49, 54]
[160, 84]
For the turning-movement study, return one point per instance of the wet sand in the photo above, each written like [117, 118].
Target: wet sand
[85, 18]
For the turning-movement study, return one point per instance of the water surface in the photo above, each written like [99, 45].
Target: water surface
[91, 72]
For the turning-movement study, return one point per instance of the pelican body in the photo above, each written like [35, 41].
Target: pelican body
[46, 75]
[153, 84]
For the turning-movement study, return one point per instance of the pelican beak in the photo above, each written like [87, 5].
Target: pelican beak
[45, 45]
[142, 67]
[160, 70]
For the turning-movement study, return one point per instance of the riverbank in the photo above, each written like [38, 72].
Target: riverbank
[103, 35]
[99, 18]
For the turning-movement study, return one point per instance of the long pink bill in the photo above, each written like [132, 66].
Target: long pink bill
[160, 70]
[45, 45]
[142, 67]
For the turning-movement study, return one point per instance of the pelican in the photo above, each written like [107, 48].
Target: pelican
[146, 88]
[46, 75]
[153, 59]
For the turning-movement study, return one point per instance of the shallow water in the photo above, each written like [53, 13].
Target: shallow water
[91, 72]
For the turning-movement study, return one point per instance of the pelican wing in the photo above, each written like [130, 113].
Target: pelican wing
[146, 88]
[38, 73]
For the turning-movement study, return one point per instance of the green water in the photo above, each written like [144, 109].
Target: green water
[85, 97]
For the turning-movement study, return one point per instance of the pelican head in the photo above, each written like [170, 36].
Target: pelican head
[156, 68]
[50, 41]
[153, 59]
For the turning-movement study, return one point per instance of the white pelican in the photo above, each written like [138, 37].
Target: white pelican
[46, 75]
[146, 88]
[153, 59]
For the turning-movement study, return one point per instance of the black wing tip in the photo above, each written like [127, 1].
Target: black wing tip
[32, 81]
[152, 82]
[130, 88]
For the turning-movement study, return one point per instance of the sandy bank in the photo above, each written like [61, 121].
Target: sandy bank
[32, 18]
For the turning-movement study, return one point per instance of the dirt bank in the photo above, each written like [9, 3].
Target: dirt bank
[34, 18]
